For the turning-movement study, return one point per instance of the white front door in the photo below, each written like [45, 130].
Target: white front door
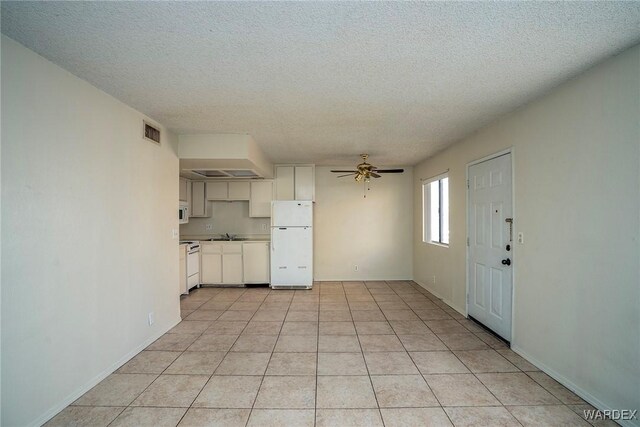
[490, 248]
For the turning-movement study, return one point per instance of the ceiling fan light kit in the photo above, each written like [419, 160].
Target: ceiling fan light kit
[364, 171]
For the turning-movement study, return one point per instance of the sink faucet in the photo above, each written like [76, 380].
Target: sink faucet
[230, 237]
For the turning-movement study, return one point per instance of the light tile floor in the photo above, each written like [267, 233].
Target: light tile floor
[341, 354]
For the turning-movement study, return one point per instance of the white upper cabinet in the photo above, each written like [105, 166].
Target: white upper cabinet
[285, 182]
[239, 190]
[182, 190]
[198, 202]
[217, 190]
[295, 182]
[304, 187]
[260, 201]
[228, 190]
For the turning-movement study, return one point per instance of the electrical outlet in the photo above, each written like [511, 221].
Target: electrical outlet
[174, 233]
[355, 267]
[264, 227]
[152, 318]
[208, 227]
[521, 238]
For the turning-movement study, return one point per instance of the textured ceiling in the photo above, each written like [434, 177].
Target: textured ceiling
[322, 82]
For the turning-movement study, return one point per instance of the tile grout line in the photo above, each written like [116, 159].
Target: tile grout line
[271, 291]
[225, 355]
[414, 362]
[373, 389]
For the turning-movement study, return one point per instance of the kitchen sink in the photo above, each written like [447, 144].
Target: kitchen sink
[224, 239]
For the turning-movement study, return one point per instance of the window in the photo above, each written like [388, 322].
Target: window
[435, 210]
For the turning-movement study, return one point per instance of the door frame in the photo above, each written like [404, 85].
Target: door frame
[510, 151]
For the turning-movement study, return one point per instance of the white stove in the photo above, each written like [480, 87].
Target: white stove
[193, 264]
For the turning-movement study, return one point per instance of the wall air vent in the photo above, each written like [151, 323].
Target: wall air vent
[151, 132]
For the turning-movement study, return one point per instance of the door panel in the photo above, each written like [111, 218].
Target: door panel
[490, 281]
[479, 286]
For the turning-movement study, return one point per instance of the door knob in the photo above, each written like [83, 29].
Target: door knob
[506, 261]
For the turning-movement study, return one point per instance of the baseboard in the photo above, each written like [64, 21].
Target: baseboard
[445, 300]
[361, 279]
[585, 395]
[95, 380]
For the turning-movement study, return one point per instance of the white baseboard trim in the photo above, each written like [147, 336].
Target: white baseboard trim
[588, 397]
[95, 380]
[445, 300]
[360, 279]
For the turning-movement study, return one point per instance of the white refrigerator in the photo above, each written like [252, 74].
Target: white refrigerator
[291, 244]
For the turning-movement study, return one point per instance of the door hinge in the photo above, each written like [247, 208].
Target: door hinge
[467, 184]
[467, 298]
[467, 241]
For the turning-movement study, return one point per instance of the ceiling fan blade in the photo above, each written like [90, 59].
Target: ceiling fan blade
[389, 170]
[349, 174]
[375, 175]
[344, 171]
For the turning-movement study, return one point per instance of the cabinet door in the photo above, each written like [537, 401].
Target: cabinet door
[304, 183]
[198, 203]
[211, 269]
[217, 190]
[232, 268]
[261, 196]
[239, 190]
[182, 190]
[256, 262]
[285, 183]
[189, 198]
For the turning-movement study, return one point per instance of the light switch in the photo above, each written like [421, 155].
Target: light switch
[521, 238]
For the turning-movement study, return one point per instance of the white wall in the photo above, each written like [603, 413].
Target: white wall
[87, 212]
[227, 217]
[373, 232]
[577, 201]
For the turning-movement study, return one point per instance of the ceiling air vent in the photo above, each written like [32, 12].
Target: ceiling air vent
[211, 173]
[241, 173]
[151, 132]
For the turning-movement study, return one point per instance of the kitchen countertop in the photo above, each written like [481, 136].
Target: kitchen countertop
[246, 239]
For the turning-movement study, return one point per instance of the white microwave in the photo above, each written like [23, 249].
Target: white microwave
[183, 213]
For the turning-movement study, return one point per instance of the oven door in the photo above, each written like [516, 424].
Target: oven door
[193, 263]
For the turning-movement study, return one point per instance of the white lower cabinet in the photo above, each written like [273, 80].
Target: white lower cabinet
[232, 269]
[211, 269]
[256, 262]
[221, 263]
[234, 263]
